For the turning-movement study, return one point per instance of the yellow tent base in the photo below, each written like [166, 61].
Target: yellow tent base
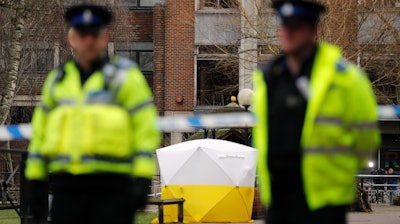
[209, 203]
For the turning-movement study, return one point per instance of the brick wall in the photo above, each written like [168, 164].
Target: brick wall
[159, 57]
[132, 25]
[179, 56]
[142, 26]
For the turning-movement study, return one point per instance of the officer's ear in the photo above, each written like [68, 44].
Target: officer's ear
[72, 38]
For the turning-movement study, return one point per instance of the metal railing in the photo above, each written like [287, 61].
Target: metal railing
[10, 191]
[155, 188]
[378, 188]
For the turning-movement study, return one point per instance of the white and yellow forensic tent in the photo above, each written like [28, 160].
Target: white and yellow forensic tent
[215, 177]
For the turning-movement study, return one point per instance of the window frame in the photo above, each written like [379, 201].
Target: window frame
[34, 56]
[202, 56]
[149, 75]
[137, 57]
[138, 6]
[202, 8]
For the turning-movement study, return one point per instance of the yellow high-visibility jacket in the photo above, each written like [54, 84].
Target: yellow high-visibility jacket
[340, 130]
[106, 125]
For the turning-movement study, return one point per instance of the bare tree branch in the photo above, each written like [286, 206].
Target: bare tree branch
[368, 32]
[9, 87]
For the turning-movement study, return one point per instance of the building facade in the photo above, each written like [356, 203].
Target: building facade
[196, 54]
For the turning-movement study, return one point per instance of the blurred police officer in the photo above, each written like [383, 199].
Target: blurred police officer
[317, 123]
[94, 131]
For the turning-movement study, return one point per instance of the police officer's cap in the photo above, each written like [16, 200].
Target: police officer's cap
[88, 18]
[294, 12]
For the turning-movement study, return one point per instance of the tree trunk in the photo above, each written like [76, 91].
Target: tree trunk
[9, 88]
[8, 156]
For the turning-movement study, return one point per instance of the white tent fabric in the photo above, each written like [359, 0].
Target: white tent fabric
[207, 162]
[215, 177]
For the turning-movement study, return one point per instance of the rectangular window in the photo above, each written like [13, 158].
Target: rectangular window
[37, 61]
[145, 60]
[219, 4]
[217, 81]
[134, 4]
[217, 74]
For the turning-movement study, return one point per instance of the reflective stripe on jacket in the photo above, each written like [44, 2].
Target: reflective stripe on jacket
[340, 131]
[82, 129]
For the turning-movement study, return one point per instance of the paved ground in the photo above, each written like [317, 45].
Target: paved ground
[382, 214]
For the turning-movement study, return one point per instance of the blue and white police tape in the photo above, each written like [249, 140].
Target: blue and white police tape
[209, 121]
[187, 123]
[388, 112]
[15, 132]
[166, 124]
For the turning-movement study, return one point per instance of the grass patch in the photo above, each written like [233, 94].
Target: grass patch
[144, 217]
[9, 216]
